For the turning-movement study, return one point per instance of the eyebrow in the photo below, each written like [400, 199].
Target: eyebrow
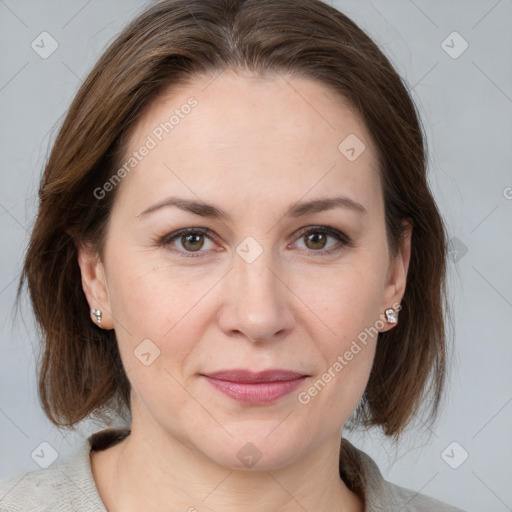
[296, 210]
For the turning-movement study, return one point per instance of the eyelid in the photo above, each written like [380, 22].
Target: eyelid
[343, 241]
[328, 230]
[170, 237]
[341, 237]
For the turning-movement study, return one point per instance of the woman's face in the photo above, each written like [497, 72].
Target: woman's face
[247, 289]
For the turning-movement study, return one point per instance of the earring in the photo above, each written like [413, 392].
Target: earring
[97, 314]
[391, 316]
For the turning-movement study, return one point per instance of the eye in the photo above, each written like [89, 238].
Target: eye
[316, 238]
[193, 240]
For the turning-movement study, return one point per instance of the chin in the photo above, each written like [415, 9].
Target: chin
[254, 449]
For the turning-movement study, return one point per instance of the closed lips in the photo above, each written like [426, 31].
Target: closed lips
[250, 377]
[255, 388]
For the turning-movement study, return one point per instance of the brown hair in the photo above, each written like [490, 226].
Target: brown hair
[173, 41]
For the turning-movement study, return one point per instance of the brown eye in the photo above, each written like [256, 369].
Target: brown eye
[192, 242]
[316, 240]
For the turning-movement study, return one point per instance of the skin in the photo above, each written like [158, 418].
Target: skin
[252, 147]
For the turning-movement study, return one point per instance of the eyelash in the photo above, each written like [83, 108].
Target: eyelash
[343, 240]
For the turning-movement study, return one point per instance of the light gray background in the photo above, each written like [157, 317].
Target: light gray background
[466, 107]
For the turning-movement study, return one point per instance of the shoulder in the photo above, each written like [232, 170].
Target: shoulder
[412, 501]
[37, 491]
[362, 473]
[65, 485]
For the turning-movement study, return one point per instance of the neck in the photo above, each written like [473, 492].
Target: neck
[154, 471]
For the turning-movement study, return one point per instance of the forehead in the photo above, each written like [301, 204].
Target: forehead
[261, 137]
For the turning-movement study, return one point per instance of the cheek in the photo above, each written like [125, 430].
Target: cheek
[347, 363]
[344, 306]
[346, 298]
[161, 309]
[149, 296]
[155, 334]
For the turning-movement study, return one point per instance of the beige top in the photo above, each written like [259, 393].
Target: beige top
[68, 485]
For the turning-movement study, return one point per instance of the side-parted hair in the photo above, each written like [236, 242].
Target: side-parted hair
[80, 373]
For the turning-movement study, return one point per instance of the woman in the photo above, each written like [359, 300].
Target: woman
[234, 216]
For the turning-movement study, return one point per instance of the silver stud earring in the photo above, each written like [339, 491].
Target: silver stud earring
[97, 314]
[391, 316]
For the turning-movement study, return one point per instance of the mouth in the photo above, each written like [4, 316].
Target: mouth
[255, 388]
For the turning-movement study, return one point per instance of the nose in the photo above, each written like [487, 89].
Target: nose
[258, 302]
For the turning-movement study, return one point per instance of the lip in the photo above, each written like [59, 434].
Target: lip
[255, 388]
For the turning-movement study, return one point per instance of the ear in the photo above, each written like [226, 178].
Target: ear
[94, 284]
[397, 277]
